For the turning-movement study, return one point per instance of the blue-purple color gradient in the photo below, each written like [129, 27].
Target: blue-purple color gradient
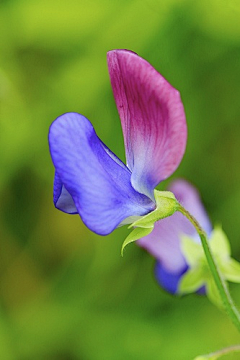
[90, 178]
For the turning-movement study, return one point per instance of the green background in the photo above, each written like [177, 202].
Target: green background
[65, 292]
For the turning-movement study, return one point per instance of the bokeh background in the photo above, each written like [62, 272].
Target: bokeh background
[65, 292]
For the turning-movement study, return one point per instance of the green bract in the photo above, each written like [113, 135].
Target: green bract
[166, 205]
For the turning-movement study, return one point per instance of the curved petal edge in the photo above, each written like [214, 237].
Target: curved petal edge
[152, 117]
[97, 181]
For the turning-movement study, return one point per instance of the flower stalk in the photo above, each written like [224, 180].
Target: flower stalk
[224, 293]
[217, 354]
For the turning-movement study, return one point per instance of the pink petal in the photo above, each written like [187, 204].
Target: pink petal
[152, 118]
[189, 197]
[164, 242]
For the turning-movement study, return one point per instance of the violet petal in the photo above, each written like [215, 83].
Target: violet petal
[168, 280]
[164, 241]
[61, 197]
[98, 182]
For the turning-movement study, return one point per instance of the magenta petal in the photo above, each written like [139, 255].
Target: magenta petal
[164, 241]
[152, 117]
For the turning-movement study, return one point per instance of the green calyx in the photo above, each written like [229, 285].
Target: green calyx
[166, 205]
[199, 273]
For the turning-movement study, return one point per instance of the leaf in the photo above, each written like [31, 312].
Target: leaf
[136, 234]
[192, 280]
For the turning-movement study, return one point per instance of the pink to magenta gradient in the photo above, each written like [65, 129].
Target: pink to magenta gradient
[152, 117]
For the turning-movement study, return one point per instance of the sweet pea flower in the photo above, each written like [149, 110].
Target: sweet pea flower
[181, 265]
[164, 242]
[92, 181]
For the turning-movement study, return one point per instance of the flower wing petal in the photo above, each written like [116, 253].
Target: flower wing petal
[98, 182]
[61, 197]
[152, 118]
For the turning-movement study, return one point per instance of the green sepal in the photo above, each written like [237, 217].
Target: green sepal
[191, 250]
[220, 247]
[231, 270]
[136, 234]
[219, 242]
[166, 205]
[198, 273]
[192, 280]
[213, 293]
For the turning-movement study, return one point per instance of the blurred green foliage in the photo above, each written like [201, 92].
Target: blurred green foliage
[65, 292]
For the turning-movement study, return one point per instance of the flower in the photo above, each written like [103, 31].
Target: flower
[164, 243]
[181, 263]
[92, 181]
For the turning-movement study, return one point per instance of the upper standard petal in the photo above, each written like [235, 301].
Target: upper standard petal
[152, 118]
[98, 182]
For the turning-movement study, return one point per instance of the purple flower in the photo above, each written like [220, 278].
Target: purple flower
[89, 179]
[164, 242]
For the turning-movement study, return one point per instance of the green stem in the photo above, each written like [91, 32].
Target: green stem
[219, 281]
[220, 353]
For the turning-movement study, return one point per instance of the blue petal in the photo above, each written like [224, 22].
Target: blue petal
[61, 197]
[97, 181]
[168, 280]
